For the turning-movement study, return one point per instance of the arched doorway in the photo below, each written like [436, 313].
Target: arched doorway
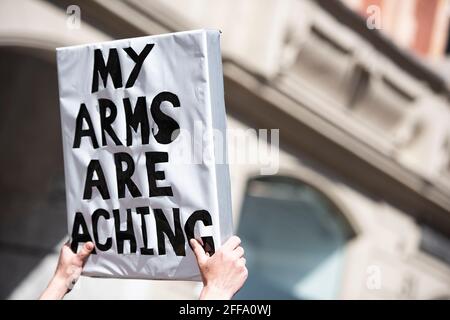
[33, 218]
[294, 238]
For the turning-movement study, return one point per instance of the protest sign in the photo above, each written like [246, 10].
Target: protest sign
[140, 178]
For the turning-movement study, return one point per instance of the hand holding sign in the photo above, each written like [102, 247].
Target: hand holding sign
[67, 272]
[224, 273]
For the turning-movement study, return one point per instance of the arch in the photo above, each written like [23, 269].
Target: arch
[294, 236]
[323, 186]
[33, 218]
[32, 221]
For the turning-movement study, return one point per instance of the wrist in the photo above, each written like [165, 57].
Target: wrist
[57, 288]
[210, 292]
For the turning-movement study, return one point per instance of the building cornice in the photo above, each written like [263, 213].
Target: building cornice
[403, 59]
[306, 133]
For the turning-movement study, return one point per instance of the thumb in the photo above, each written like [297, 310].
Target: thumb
[85, 251]
[198, 251]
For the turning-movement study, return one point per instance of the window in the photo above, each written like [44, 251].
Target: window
[435, 243]
[294, 238]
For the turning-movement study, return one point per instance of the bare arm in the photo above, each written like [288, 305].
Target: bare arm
[67, 272]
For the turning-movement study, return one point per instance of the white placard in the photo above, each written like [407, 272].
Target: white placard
[143, 172]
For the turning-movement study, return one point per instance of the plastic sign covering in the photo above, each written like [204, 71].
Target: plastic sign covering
[143, 125]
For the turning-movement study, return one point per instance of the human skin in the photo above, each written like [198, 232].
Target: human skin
[223, 273]
[68, 270]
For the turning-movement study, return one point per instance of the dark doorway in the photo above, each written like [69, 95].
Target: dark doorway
[32, 218]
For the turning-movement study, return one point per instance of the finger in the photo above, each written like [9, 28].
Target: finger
[242, 262]
[239, 252]
[198, 251]
[232, 243]
[85, 251]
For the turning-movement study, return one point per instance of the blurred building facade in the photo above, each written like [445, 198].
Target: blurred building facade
[360, 205]
[418, 25]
